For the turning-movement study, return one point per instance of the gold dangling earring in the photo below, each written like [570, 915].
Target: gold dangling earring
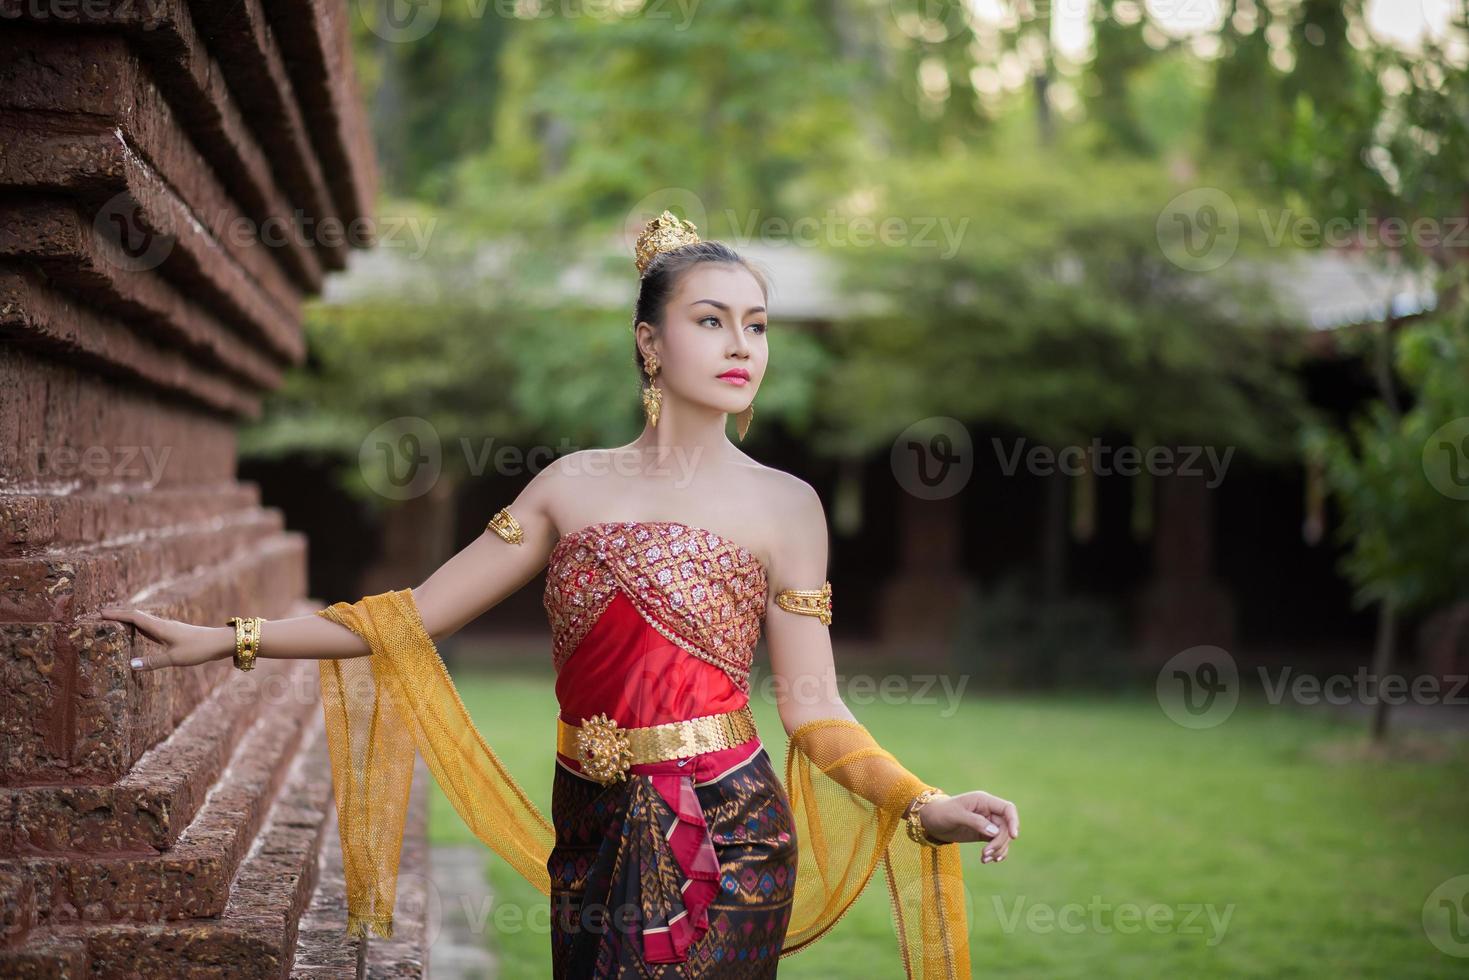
[742, 421]
[652, 394]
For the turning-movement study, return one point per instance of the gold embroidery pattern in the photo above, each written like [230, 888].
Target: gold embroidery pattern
[702, 592]
[807, 602]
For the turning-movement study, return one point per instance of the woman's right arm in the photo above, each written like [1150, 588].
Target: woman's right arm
[475, 579]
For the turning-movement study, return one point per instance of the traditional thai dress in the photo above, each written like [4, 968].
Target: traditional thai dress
[674, 848]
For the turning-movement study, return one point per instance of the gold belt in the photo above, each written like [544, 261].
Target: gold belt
[605, 751]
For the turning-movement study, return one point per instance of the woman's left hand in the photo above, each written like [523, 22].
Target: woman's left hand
[972, 816]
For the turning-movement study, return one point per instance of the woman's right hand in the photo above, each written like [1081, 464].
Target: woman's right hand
[184, 645]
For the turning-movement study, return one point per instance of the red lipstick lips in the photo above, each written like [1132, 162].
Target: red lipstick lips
[737, 376]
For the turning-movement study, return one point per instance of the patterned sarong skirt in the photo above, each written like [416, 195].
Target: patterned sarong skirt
[686, 868]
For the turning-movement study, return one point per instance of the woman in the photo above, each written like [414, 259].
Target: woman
[674, 848]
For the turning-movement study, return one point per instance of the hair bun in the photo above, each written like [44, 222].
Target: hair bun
[663, 234]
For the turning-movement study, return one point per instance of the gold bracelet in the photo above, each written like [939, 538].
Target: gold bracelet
[247, 640]
[916, 832]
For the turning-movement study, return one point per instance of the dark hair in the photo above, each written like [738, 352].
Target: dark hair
[661, 277]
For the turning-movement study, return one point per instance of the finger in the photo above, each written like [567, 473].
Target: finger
[982, 824]
[994, 848]
[146, 623]
[1003, 810]
[980, 806]
[153, 662]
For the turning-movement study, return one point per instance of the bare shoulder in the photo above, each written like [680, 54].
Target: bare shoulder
[553, 491]
[791, 497]
[796, 530]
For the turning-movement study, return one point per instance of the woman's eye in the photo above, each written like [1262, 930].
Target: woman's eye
[760, 327]
[711, 317]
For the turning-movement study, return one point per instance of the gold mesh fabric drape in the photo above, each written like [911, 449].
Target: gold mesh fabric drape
[847, 795]
[378, 708]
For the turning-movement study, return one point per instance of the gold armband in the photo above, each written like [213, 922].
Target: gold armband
[506, 526]
[807, 602]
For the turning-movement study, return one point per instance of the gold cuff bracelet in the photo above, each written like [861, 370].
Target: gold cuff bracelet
[247, 640]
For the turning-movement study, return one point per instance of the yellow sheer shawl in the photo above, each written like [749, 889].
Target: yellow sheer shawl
[847, 794]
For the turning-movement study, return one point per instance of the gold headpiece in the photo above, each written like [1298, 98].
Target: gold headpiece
[664, 233]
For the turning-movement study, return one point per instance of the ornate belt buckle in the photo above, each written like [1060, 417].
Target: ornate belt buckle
[602, 749]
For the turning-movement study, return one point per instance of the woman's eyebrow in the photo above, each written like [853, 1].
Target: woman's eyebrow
[722, 306]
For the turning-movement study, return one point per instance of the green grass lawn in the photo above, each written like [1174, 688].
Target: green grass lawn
[1262, 847]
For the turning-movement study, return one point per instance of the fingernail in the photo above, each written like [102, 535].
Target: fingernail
[137, 663]
[991, 829]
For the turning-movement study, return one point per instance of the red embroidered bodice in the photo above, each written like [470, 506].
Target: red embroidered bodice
[652, 621]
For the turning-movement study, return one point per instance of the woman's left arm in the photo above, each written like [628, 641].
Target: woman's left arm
[804, 670]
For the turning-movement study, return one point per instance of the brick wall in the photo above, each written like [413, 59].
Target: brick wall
[176, 178]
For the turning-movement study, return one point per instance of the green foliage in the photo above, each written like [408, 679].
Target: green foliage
[1059, 313]
[730, 101]
[1404, 533]
[432, 100]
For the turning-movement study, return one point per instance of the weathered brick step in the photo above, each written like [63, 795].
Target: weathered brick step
[194, 85]
[192, 878]
[76, 712]
[245, 46]
[136, 207]
[63, 585]
[125, 95]
[150, 807]
[313, 37]
[63, 239]
[274, 883]
[324, 950]
[33, 315]
[30, 522]
[266, 581]
[45, 957]
[17, 908]
[78, 261]
[111, 88]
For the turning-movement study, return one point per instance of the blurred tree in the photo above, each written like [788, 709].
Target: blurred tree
[432, 100]
[1067, 314]
[1402, 482]
[1355, 133]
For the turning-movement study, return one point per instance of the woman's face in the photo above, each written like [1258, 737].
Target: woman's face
[713, 329]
